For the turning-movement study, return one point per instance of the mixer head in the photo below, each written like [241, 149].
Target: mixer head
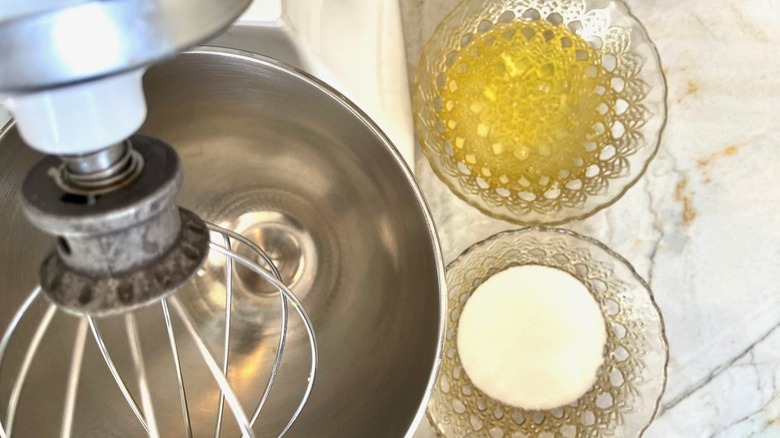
[75, 89]
[71, 70]
[109, 197]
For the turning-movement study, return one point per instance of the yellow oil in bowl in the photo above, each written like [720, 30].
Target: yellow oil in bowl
[523, 106]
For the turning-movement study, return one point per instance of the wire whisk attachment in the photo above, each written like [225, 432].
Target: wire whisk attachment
[141, 394]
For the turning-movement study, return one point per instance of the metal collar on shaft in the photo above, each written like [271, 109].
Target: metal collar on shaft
[122, 241]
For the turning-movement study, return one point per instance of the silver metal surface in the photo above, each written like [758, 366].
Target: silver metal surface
[290, 246]
[99, 172]
[111, 293]
[97, 162]
[257, 139]
[78, 42]
[49, 208]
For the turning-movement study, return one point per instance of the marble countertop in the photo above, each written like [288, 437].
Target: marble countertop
[702, 225]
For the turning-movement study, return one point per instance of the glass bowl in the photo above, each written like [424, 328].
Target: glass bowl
[628, 109]
[631, 380]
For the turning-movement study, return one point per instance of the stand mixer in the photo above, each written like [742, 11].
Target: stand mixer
[71, 75]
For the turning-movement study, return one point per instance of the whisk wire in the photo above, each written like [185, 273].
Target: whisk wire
[230, 396]
[120, 383]
[140, 370]
[185, 409]
[16, 392]
[226, 343]
[301, 312]
[11, 329]
[284, 314]
[74, 375]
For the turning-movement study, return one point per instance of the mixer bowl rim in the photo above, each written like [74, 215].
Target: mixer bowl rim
[407, 174]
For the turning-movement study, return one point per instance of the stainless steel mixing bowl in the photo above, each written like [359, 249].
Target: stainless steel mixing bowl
[288, 162]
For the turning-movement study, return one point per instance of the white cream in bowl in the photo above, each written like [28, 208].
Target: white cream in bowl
[532, 337]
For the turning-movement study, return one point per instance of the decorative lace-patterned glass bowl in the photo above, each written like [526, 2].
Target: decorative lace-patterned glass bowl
[630, 383]
[612, 154]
